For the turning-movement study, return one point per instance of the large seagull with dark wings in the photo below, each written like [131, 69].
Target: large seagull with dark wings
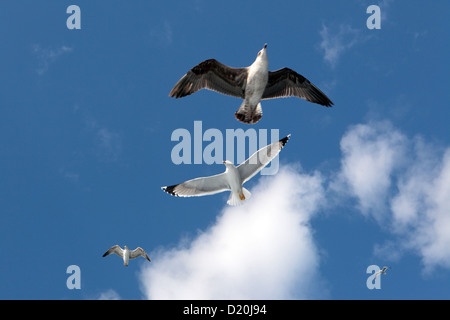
[253, 84]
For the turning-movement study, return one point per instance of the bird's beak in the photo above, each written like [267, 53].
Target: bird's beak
[265, 46]
[223, 162]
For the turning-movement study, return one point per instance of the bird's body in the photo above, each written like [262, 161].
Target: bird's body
[232, 179]
[250, 110]
[126, 254]
[238, 192]
[252, 84]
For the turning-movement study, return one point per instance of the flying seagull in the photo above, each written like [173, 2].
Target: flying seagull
[382, 271]
[126, 254]
[253, 83]
[232, 179]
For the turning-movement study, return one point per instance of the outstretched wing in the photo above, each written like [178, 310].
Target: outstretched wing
[139, 252]
[212, 75]
[199, 186]
[260, 159]
[114, 249]
[287, 83]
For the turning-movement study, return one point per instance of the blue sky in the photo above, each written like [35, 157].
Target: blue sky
[86, 125]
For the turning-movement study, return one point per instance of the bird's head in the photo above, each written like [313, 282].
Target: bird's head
[262, 53]
[227, 163]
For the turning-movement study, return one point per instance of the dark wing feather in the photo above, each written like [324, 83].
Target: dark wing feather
[287, 83]
[212, 75]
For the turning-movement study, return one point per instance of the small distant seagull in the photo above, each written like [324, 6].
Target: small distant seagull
[253, 83]
[126, 254]
[382, 271]
[232, 179]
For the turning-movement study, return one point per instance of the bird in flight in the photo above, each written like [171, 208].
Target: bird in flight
[253, 84]
[382, 271]
[126, 254]
[232, 179]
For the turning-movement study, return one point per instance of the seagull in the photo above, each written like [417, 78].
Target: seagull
[232, 179]
[382, 271]
[253, 84]
[126, 254]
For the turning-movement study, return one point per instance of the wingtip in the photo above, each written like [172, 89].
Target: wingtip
[285, 140]
[173, 93]
[170, 190]
[324, 102]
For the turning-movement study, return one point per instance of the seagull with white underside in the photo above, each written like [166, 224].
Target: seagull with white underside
[382, 271]
[126, 254]
[232, 179]
[253, 84]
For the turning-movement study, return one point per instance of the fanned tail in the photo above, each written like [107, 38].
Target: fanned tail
[237, 199]
[247, 114]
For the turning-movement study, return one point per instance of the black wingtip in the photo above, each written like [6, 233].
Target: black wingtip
[319, 97]
[323, 100]
[170, 190]
[285, 140]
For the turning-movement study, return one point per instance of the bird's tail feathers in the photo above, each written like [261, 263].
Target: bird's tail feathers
[237, 199]
[247, 114]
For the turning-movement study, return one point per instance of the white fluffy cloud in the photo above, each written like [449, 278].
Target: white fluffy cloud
[262, 250]
[404, 183]
[421, 210]
[370, 154]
